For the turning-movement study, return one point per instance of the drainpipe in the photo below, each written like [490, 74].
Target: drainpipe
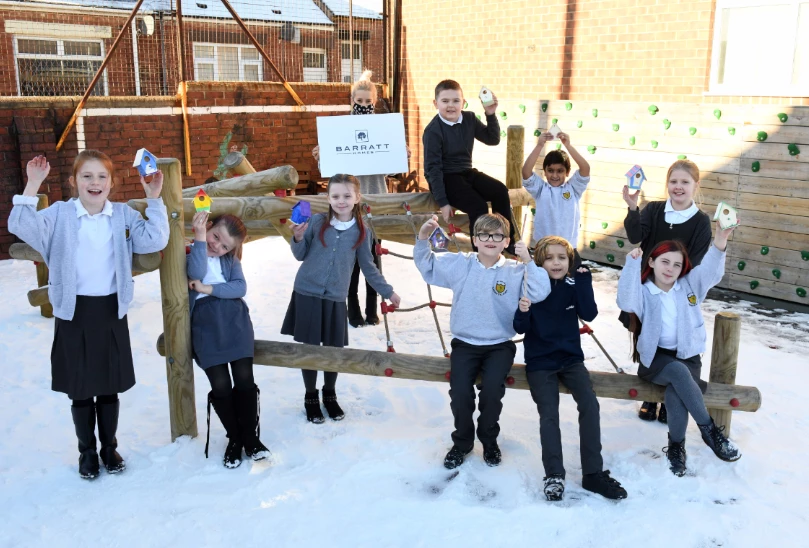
[135, 58]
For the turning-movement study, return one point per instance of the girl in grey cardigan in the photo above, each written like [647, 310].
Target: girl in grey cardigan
[222, 332]
[669, 335]
[87, 244]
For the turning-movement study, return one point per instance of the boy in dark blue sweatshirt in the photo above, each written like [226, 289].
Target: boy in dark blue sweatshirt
[553, 353]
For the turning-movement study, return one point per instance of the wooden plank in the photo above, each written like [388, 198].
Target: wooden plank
[778, 134]
[755, 184]
[772, 238]
[767, 288]
[668, 141]
[797, 276]
[657, 176]
[775, 169]
[776, 256]
[780, 205]
[778, 152]
[774, 221]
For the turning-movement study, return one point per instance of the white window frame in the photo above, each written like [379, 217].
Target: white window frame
[215, 61]
[60, 56]
[325, 68]
[756, 89]
[357, 62]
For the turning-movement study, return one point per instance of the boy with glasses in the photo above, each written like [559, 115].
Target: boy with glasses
[486, 291]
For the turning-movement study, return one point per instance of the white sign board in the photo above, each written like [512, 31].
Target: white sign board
[362, 144]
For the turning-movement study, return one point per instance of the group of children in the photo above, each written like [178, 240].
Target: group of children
[88, 243]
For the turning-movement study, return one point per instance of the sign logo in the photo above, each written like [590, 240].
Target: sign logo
[500, 288]
[566, 195]
[361, 135]
[692, 299]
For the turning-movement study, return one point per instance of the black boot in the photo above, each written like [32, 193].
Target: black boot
[311, 402]
[227, 415]
[648, 411]
[604, 485]
[663, 416]
[714, 437]
[371, 317]
[332, 407]
[455, 457]
[84, 419]
[492, 455]
[554, 488]
[675, 452]
[249, 411]
[107, 427]
[355, 318]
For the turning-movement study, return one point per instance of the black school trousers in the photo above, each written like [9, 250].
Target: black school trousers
[470, 190]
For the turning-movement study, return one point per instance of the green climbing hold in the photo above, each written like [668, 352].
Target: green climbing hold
[544, 107]
[503, 115]
[579, 124]
[692, 130]
[558, 146]
[632, 141]
[753, 284]
[805, 255]
[522, 108]
[477, 116]
[801, 292]
[568, 106]
[620, 243]
[537, 133]
[783, 117]
[611, 257]
[502, 133]
[681, 156]
[755, 166]
[765, 250]
[595, 113]
[776, 273]
[465, 104]
[654, 144]
[591, 149]
[761, 136]
[592, 244]
[717, 113]
[615, 127]
[533, 211]
[741, 264]
[732, 130]
[793, 149]
[653, 109]
[666, 123]
[554, 120]
[605, 225]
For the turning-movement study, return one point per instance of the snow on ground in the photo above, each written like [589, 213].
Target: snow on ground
[376, 478]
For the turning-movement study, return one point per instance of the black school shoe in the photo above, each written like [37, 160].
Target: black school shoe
[714, 437]
[332, 407]
[311, 402]
[492, 455]
[455, 457]
[675, 452]
[663, 416]
[604, 485]
[648, 411]
[554, 487]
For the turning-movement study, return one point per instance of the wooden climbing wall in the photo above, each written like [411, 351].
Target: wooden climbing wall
[767, 179]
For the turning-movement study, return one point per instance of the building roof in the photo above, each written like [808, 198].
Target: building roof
[294, 11]
[340, 9]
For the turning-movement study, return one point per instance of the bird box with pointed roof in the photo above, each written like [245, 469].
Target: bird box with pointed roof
[635, 177]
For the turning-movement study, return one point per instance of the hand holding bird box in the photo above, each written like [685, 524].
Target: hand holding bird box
[726, 215]
[145, 162]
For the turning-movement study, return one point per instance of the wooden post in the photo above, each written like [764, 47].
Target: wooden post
[182, 91]
[176, 321]
[45, 309]
[724, 359]
[237, 164]
[515, 148]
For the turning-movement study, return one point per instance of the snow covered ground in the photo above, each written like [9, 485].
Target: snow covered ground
[376, 478]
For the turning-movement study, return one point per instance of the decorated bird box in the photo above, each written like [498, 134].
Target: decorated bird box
[726, 215]
[301, 212]
[635, 177]
[555, 131]
[486, 96]
[145, 162]
[202, 202]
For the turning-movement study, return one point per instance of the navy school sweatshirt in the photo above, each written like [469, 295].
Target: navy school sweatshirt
[551, 326]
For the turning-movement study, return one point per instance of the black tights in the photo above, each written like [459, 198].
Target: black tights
[110, 398]
[310, 379]
[220, 377]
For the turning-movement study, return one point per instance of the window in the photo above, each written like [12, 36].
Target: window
[345, 61]
[761, 48]
[49, 67]
[227, 62]
[314, 65]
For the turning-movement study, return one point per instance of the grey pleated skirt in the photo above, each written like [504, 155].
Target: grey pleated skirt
[221, 331]
[312, 320]
[91, 354]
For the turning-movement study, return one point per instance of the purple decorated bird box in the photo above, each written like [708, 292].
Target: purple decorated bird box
[301, 213]
[635, 177]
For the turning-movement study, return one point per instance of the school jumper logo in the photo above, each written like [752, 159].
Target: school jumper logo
[566, 195]
[692, 299]
[500, 288]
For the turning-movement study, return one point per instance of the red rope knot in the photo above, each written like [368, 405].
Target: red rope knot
[381, 250]
[447, 375]
[383, 307]
[509, 380]
[433, 304]
[281, 193]
[367, 208]
[36, 263]
[283, 221]
[187, 250]
[585, 330]
[407, 208]
[453, 229]
[389, 371]
[446, 354]
[633, 393]
[734, 402]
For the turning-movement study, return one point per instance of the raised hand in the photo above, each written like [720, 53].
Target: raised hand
[525, 304]
[200, 225]
[565, 138]
[316, 153]
[722, 235]
[521, 250]
[631, 198]
[636, 253]
[153, 187]
[299, 230]
[428, 227]
[36, 171]
[491, 109]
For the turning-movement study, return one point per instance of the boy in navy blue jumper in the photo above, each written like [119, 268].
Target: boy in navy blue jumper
[553, 353]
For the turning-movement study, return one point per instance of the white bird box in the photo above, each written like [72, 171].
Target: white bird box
[726, 215]
[486, 96]
[145, 162]
[635, 177]
[555, 131]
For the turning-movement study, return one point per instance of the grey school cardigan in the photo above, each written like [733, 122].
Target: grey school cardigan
[54, 233]
[196, 265]
[634, 297]
[326, 271]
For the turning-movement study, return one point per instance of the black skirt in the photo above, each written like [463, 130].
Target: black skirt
[312, 320]
[221, 331]
[91, 355]
[665, 356]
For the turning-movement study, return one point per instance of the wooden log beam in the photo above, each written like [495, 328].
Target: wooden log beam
[236, 163]
[724, 359]
[259, 183]
[39, 296]
[176, 321]
[429, 368]
[140, 263]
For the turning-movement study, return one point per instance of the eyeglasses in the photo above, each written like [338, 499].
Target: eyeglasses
[485, 237]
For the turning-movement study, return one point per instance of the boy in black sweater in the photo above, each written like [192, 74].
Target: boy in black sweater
[553, 353]
[448, 141]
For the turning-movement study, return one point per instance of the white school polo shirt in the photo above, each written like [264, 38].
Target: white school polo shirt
[95, 254]
[668, 314]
